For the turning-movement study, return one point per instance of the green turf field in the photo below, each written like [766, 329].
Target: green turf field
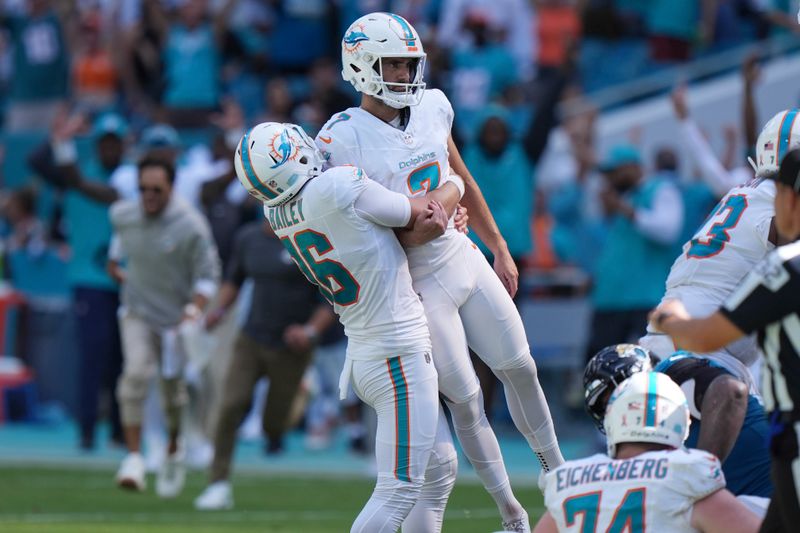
[60, 500]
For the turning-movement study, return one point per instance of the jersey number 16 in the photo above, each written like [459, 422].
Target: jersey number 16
[335, 282]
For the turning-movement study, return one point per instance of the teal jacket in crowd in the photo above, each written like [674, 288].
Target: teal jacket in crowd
[191, 65]
[632, 268]
[89, 234]
[40, 59]
[507, 184]
[507, 181]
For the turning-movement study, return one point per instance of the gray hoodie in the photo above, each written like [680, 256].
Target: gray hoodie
[169, 257]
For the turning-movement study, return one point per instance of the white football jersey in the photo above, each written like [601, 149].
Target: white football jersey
[359, 266]
[654, 491]
[729, 244]
[732, 240]
[411, 161]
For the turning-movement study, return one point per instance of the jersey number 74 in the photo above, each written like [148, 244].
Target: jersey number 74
[628, 516]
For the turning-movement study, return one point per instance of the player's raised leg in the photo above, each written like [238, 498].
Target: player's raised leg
[495, 332]
[461, 390]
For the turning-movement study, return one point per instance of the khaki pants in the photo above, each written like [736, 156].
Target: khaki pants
[141, 356]
[249, 363]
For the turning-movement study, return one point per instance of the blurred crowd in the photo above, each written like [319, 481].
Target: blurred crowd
[88, 86]
[179, 61]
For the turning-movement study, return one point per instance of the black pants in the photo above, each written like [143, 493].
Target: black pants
[783, 514]
[615, 327]
[101, 357]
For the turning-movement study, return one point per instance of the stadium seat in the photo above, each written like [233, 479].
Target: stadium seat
[558, 330]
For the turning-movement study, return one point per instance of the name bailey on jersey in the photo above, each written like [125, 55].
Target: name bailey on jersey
[286, 215]
[417, 159]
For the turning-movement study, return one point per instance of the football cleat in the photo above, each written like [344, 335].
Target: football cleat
[518, 525]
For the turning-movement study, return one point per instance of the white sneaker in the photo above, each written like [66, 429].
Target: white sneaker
[171, 476]
[217, 497]
[199, 453]
[131, 473]
[519, 525]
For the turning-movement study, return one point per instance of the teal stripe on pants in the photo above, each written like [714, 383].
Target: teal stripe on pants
[402, 429]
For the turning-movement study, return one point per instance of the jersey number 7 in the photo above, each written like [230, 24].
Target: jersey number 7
[628, 516]
[335, 282]
[424, 178]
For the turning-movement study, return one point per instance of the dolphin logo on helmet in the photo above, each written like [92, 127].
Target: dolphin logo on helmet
[273, 161]
[379, 36]
[353, 39]
[286, 150]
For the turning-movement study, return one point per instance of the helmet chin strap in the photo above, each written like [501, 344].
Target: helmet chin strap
[401, 100]
[392, 103]
[752, 164]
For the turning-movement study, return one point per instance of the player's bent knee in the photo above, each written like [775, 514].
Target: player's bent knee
[132, 388]
[522, 361]
[458, 393]
[469, 408]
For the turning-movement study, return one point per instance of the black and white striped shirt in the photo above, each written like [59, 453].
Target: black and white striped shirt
[768, 301]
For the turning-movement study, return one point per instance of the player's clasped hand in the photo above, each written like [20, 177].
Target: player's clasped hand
[461, 219]
[428, 225]
[435, 218]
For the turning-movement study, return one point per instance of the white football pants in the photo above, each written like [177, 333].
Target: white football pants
[404, 393]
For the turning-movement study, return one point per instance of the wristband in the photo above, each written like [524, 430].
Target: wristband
[458, 181]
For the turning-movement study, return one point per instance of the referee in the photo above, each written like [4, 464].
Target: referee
[767, 302]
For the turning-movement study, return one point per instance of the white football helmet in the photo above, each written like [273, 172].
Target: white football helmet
[273, 161]
[376, 36]
[647, 407]
[780, 135]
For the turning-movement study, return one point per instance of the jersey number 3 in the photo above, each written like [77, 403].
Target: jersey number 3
[628, 516]
[335, 282]
[725, 218]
